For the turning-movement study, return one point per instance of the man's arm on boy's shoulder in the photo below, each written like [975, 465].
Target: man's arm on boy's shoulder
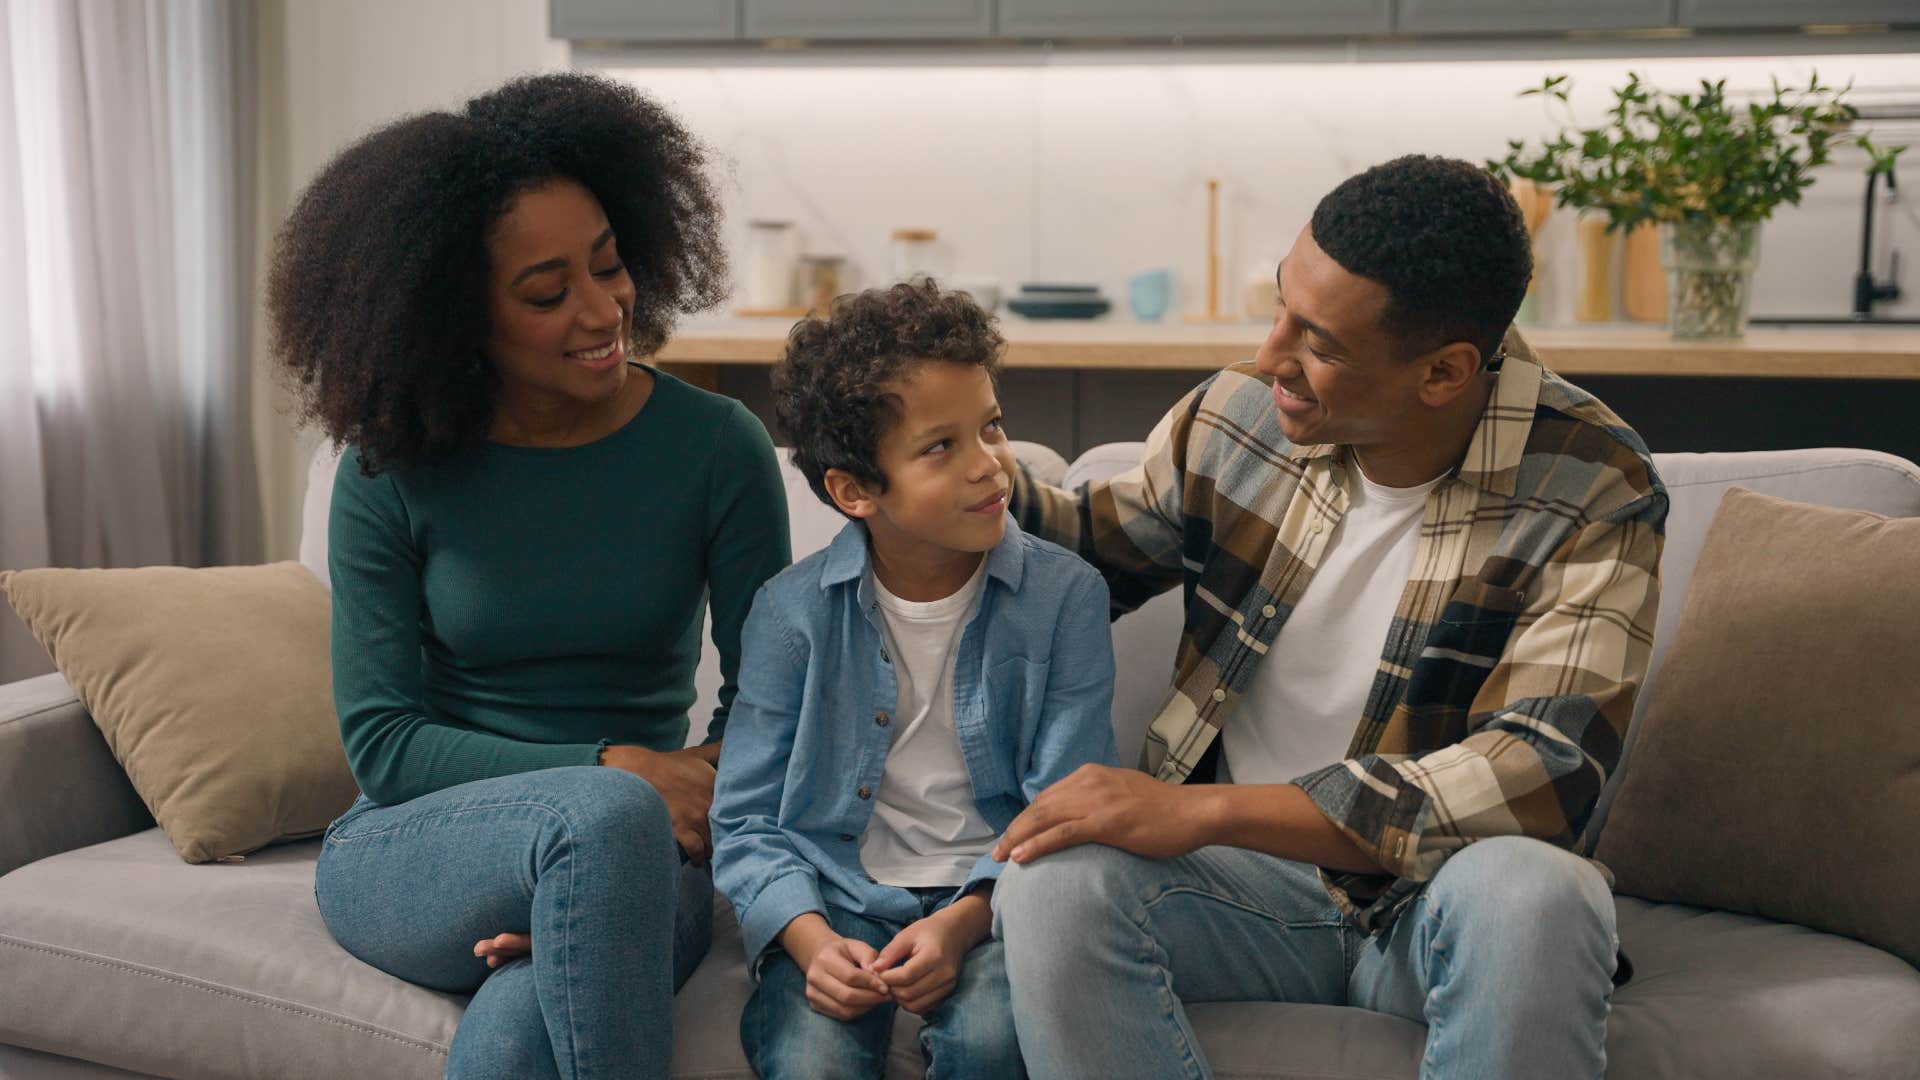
[1076, 716]
[755, 862]
[1128, 525]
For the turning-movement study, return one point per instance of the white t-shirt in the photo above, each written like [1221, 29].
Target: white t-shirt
[925, 831]
[1310, 690]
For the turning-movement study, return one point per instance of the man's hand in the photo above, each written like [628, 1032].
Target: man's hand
[921, 965]
[684, 778]
[840, 982]
[1099, 804]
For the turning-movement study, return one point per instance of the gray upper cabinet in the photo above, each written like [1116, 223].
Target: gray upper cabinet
[1529, 16]
[645, 20]
[830, 20]
[1709, 14]
[1192, 18]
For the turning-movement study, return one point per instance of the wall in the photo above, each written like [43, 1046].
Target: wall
[333, 72]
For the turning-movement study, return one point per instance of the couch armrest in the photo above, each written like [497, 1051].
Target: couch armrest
[60, 787]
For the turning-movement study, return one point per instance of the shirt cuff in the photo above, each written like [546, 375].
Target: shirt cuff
[783, 900]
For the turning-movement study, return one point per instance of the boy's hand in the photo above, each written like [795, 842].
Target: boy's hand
[921, 965]
[840, 983]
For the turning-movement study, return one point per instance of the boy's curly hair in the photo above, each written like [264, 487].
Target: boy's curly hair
[829, 389]
[377, 294]
[1445, 238]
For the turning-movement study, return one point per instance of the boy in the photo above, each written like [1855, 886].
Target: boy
[903, 694]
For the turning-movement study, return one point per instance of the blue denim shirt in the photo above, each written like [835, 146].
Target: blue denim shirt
[803, 757]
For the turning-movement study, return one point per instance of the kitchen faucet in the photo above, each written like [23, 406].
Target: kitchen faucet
[1866, 290]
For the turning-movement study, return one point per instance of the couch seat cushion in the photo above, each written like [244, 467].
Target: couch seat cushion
[122, 954]
[1721, 995]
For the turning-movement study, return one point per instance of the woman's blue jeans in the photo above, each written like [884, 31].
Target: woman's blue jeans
[582, 858]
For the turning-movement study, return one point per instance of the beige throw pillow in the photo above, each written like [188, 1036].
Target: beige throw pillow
[213, 688]
[1777, 770]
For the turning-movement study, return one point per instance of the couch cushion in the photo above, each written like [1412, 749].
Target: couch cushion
[1721, 995]
[1774, 772]
[213, 688]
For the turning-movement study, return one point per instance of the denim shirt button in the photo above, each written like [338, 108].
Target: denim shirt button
[1269, 611]
[846, 838]
[865, 792]
[883, 719]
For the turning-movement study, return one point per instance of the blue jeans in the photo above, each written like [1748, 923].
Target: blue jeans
[584, 859]
[1507, 956]
[969, 1036]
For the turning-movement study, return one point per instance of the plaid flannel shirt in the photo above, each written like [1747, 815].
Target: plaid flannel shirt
[1507, 680]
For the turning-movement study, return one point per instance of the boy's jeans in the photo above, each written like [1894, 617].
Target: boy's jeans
[581, 857]
[1507, 956]
[969, 1036]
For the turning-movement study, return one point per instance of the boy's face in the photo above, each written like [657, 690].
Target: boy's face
[948, 467]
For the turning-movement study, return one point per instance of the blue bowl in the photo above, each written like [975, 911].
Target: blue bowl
[1063, 308]
[1041, 290]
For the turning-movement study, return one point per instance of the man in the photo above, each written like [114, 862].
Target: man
[1420, 579]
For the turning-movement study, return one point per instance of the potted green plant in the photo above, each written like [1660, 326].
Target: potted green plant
[1707, 168]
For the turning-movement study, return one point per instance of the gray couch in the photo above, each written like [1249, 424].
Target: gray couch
[117, 959]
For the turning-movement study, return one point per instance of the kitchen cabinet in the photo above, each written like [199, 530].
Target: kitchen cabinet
[1718, 14]
[1192, 18]
[830, 20]
[1525, 16]
[645, 20]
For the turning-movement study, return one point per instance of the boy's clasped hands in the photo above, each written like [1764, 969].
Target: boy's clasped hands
[918, 969]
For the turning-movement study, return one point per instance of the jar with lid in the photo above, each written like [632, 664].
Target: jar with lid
[819, 281]
[915, 253]
[768, 277]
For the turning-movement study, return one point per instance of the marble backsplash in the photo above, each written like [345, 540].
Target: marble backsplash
[1091, 172]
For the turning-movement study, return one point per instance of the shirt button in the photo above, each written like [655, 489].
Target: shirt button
[846, 837]
[1219, 695]
[884, 658]
[1314, 526]
[883, 719]
[865, 792]
[1269, 611]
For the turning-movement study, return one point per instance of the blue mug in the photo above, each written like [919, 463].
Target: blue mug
[1150, 293]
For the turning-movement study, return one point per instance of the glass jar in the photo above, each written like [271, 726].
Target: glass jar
[1709, 268]
[915, 254]
[819, 281]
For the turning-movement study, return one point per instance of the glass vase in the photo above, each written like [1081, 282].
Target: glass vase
[1709, 268]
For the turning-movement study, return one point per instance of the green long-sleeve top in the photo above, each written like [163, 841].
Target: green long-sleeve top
[515, 608]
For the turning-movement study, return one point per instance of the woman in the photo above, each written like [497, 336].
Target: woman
[525, 525]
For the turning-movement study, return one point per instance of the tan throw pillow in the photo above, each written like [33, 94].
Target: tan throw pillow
[1777, 770]
[213, 688]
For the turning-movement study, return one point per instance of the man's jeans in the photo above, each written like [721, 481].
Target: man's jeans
[1507, 956]
[969, 1036]
[584, 859]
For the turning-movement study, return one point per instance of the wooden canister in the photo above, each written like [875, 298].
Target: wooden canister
[1643, 284]
[1595, 300]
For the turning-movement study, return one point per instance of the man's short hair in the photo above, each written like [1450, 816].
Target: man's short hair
[1445, 238]
[829, 391]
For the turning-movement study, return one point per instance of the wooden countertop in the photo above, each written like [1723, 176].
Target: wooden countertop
[1810, 352]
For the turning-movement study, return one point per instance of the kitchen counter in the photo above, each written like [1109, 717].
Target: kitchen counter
[1811, 352]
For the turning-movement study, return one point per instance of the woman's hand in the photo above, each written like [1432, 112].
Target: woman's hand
[684, 778]
[501, 948]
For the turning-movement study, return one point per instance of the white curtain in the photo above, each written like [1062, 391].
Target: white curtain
[126, 188]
